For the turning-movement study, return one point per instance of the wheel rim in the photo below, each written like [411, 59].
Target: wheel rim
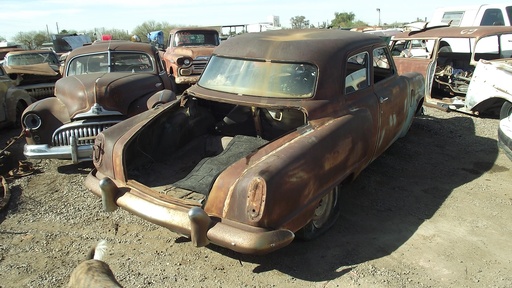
[324, 209]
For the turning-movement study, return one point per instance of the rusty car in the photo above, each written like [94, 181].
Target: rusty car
[447, 58]
[36, 71]
[13, 101]
[255, 153]
[103, 84]
[187, 52]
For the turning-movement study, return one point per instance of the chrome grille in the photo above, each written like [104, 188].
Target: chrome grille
[40, 93]
[84, 133]
[198, 67]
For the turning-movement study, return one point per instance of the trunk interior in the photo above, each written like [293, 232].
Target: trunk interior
[183, 151]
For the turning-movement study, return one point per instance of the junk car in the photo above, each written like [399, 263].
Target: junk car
[35, 71]
[255, 153]
[447, 58]
[13, 101]
[103, 84]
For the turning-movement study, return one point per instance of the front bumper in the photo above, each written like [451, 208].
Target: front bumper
[186, 79]
[188, 220]
[77, 153]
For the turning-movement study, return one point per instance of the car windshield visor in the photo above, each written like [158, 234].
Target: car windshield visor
[259, 78]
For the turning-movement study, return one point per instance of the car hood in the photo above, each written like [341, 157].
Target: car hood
[112, 91]
[194, 51]
[35, 69]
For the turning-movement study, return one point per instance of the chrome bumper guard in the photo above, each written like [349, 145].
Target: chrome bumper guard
[192, 222]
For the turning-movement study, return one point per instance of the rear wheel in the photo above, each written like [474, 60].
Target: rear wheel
[506, 110]
[324, 217]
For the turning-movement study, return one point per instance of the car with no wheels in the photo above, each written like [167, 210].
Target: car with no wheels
[255, 153]
[447, 57]
[103, 84]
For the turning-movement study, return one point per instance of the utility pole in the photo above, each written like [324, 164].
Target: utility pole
[378, 11]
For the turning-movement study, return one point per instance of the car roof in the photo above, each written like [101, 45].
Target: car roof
[122, 45]
[193, 29]
[317, 46]
[455, 32]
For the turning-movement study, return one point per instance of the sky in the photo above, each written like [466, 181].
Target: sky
[48, 15]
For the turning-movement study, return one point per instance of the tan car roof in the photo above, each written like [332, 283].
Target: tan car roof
[455, 32]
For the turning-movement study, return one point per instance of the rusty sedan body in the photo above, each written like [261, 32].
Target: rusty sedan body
[103, 84]
[254, 154]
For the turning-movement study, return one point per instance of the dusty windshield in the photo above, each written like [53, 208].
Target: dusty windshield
[196, 38]
[32, 58]
[259, 78]
[117, 62]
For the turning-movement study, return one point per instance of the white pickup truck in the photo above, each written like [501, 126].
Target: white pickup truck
[474, 15]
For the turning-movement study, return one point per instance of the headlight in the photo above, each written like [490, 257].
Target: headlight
[256, 197]
[184, 61]
[32, 121]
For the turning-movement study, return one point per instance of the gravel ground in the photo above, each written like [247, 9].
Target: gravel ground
[433, 211]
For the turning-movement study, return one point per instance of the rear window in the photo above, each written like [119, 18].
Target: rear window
[260, 78]
[454, 16]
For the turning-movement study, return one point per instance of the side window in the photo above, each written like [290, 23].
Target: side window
[492, 17]
[381, 67]
[357, 72]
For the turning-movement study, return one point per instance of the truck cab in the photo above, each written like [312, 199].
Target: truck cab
[474, 15]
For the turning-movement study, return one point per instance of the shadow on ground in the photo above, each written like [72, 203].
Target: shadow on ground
[387, 203]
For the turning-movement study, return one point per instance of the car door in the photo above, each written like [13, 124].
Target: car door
[392, 94]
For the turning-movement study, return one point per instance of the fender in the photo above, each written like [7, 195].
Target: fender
[350, 138]
[161, 97]
[53, 114]
[12, 98]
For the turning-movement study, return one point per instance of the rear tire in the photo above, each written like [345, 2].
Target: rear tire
[324, 217]
[506, 110]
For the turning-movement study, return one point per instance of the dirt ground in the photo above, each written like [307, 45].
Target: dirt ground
[433, 211]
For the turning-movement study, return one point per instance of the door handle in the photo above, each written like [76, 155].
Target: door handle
[382, 99]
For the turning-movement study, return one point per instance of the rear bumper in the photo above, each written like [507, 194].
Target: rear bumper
[191, 221]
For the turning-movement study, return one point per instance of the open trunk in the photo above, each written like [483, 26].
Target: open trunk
[182, 152]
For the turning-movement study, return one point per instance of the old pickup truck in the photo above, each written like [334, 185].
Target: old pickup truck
[256, 152]
[188, 50]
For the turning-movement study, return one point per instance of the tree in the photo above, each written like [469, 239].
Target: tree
[32, 39]
[346, 20]
[150, 26]
[299, 22]
[2, 39]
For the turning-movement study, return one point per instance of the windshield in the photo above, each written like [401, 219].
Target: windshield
[32, 58]
[259, 78]
[134, 62]
[196, 38]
